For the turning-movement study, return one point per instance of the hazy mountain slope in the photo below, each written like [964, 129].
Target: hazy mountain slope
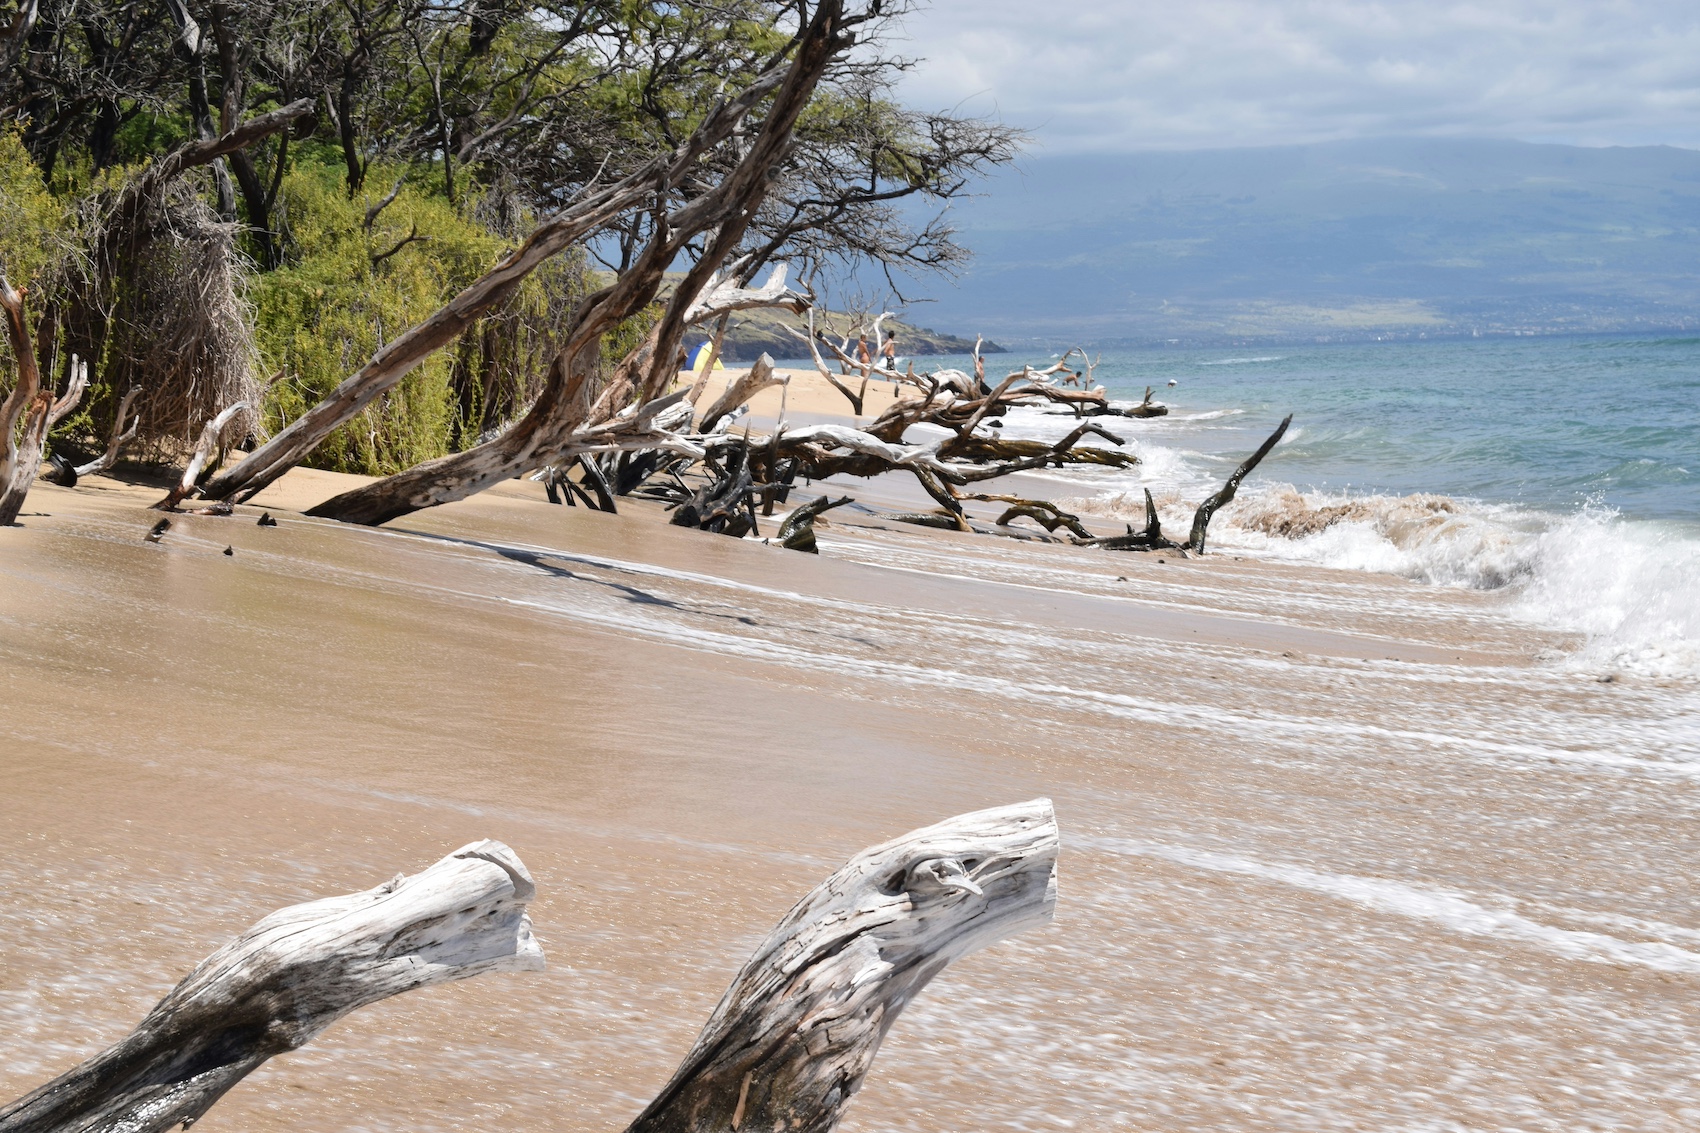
[1335, 239]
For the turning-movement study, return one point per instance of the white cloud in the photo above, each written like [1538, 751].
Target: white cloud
[1117, 75]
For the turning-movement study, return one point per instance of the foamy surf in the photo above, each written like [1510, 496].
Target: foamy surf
[1630, 589]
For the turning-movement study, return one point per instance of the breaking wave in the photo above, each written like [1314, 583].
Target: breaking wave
[1630, 589]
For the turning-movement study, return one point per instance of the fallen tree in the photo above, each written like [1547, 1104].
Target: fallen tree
[787, 1048]
[571, 400]
[783, 87]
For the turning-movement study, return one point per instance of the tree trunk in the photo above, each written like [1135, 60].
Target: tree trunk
[592, 212]
[20, 448]
[645, 373]
[286, 979]
[798, 1029]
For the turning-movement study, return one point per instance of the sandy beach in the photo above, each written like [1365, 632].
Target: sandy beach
[1340, 851]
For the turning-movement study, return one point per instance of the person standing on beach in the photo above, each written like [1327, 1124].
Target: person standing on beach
[890, 353]
[862, 355]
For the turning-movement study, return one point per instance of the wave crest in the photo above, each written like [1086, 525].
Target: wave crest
[1630, 589]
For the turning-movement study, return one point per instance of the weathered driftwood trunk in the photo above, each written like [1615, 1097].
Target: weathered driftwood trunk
[210, 433]
[796, 1032]
[21, 447]
[285, 980]
[739, 390]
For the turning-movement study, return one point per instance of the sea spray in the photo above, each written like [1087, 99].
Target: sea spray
[1632, 587]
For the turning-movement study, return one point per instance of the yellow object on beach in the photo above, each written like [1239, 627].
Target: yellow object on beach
[699, 356]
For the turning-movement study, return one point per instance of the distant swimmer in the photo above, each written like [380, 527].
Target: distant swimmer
[1173, 382]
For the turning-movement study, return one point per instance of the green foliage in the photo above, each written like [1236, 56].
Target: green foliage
[339, 298]
[628, 333]
[30, 217]
[331, 307]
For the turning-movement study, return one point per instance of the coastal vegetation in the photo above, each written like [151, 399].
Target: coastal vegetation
[428, 142]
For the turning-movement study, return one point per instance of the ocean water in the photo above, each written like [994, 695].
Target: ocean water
[1562, 472]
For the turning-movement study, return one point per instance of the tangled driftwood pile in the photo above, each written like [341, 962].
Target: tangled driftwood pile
[741, 475]
[787, 1048]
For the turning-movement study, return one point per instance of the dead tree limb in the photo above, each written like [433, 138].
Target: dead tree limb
[285, 980]
[1047, 514]
[812, 339]
[740, 390]
[1207, 509]
[1151, 539]
[797, 1031]
[120, 437]
[30, 403]
[797, 533]
[412, 237]
[210, 433]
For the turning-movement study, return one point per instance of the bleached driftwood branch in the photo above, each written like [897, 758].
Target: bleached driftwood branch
[210, 433]
[740, 390]
[288, 978]
[723, 296]
[120, 437]
[797, 1031]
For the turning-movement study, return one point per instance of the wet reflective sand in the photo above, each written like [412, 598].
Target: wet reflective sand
[1340, 852]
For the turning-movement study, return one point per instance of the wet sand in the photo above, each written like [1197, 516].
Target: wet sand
[1340, 851]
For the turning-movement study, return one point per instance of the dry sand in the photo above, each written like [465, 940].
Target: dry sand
[1340, 852]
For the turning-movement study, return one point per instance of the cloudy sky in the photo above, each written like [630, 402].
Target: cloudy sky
[1119, 75]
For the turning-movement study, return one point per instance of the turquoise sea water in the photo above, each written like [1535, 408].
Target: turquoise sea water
[1550, 423]
[1562, 472]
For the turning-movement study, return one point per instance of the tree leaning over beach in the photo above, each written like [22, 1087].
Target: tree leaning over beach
[565, 131]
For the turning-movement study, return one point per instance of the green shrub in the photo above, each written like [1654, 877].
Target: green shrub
[346, 290]
[30, 218]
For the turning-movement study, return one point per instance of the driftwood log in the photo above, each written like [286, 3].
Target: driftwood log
[797, 533]
[798, 1029]
[285, 980]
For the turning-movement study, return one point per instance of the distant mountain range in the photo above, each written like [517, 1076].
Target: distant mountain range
[1333, 241]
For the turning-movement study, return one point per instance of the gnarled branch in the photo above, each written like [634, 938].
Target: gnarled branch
[286, 979]
[798, 1029]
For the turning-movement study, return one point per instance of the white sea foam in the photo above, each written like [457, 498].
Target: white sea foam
[1631, 589]
[1242, 361]
[1454, 911]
